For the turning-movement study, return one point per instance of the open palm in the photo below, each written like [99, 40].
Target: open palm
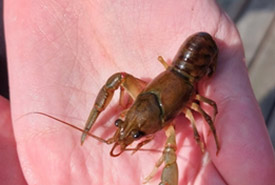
[60, 54]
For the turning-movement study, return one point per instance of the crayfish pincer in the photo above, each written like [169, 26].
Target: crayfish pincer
[157, 103]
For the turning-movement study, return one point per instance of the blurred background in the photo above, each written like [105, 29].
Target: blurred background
[255, 20]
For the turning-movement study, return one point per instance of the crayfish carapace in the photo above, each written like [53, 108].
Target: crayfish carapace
[157, 103]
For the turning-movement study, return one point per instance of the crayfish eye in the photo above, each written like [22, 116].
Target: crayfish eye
[118, 123]
[137, 134]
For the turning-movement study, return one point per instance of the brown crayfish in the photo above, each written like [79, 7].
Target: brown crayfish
[157, 103]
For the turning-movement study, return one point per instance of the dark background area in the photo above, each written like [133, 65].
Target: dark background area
[4, 87]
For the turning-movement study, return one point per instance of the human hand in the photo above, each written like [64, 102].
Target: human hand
[11, 172]
[60, 53]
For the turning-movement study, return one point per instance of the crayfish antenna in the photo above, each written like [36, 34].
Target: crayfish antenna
[68, 124]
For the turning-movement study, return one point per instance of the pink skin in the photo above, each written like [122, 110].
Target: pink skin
[61, 53]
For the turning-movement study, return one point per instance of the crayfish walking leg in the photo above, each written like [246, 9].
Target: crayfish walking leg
[196, 107]
[197, 137]
[169, 174]
[210, 102]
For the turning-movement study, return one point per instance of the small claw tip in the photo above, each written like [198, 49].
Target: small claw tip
[83, 138]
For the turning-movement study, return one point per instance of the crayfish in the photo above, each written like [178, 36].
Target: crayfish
[157, 103]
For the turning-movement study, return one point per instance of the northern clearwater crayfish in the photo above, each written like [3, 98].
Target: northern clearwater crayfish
[157, 103]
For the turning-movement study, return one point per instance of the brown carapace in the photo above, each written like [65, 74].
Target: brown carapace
[157, 103]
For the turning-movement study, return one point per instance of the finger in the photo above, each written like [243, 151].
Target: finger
[10, 172]
[240, 125]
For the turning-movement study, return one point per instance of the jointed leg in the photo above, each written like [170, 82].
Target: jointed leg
[210, 102]
[196, 107]
[155, 170]
[144, 142]
[131, 84]
[170, 172]
[190, 116]
[163, 62]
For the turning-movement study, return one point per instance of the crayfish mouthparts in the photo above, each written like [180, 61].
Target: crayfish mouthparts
[113, 149]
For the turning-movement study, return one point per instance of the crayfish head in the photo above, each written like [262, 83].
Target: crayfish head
[122, 138]
[142, 120]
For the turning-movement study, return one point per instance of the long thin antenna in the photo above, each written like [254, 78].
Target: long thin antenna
[66, 123]
[81, 130]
